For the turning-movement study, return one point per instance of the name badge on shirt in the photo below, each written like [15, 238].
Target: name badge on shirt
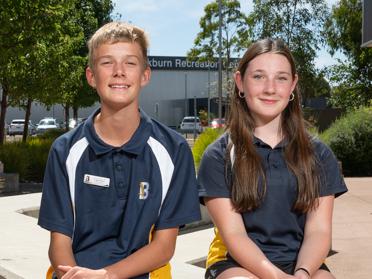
[96, 180]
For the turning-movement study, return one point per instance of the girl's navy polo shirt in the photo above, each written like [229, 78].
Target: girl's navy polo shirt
[108, 199]
[275, 228]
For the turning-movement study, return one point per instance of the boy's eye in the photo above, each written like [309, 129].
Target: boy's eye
[106, 62]
[132, 63]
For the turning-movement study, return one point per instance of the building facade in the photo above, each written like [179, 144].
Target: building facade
[178, 88]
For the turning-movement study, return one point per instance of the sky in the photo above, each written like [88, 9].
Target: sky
[172, 25]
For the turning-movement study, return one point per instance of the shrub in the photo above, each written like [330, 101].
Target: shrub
[13, 157]
[206, 138]
[350, 138]
[28, 159]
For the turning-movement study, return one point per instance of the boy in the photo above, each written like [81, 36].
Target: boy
[117, 188]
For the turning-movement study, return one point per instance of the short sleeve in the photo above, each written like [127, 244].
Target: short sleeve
[332, 182]
[55, 209]
[181, 205]
[211, 174]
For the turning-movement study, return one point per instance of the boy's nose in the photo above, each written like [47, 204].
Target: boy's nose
[119, 70]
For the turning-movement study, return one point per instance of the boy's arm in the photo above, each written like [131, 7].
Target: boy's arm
[60, 252]
[150, 257]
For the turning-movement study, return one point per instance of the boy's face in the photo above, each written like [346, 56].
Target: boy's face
[119, 74]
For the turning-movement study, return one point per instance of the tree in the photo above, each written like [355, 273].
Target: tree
[353, 77]
[233, 29]
[92, 15]
[36, 39]
[298, 23]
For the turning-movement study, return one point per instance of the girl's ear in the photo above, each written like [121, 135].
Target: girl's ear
[238, 80]
[294, 83]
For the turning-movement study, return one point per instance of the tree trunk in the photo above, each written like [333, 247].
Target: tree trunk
[4, 105]
[75, 112]
[27, 118]
[67, 116]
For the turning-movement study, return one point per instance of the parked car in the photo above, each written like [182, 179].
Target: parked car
[46, 124]
[218, 123]
[189, 123]
[17, 125]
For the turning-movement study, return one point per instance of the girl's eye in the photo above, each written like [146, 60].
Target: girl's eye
[282, 78]
[257, 76]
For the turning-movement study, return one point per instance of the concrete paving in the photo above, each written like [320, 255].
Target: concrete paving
[24, 246]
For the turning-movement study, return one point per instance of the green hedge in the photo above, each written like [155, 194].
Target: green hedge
[27, 159]
[350, 138]
[206, 138]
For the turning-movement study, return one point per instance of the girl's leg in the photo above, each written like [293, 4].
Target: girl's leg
[236, 273]
[323, 274]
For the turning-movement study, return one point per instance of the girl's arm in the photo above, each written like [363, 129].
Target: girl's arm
[317, 236]
[240, 246]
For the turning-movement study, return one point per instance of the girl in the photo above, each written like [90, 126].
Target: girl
[268, 185]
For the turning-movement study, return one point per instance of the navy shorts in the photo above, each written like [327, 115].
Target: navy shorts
[217, 268]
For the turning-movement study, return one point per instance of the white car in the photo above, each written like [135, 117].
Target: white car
[17, 125]
[189, 124]
[46, 124]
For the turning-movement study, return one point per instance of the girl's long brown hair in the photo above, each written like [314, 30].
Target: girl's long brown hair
[247, 170]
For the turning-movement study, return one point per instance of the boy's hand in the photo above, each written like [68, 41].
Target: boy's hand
[78, 272]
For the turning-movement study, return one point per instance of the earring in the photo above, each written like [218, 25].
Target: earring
[241, 94]
[291, 98]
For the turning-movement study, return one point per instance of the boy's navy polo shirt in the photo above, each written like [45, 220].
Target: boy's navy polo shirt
[275, 228]
[107, 199]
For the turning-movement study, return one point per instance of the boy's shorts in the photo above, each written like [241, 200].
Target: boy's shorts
[217, 268]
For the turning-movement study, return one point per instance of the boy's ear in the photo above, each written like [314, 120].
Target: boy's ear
[90, 77]
[146, 76]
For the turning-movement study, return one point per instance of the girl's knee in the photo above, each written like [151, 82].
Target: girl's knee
[323, 274]
[236, 273]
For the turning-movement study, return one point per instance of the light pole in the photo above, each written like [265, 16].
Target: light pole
[195, 115]
[209, 97]
[219, 60]
[185, 95]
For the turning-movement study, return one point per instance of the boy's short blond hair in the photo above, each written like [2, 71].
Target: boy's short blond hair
[115, 32]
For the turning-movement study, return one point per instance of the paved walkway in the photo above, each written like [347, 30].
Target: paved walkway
[23, 245]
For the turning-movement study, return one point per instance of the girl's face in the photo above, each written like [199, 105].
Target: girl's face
[267, 85]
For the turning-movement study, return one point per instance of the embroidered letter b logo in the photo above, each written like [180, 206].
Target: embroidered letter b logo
[143, 190]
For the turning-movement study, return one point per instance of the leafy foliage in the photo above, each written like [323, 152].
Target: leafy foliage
[298, 22]
[350, 138]
[353, 77]
[206, 43]
[37, 39]
[28, 159]
[206, 138]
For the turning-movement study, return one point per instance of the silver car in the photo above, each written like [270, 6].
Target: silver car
[17, 125]
[46, 124]
[189, 123]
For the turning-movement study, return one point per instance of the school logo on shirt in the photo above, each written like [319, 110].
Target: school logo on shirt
[143, 190]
